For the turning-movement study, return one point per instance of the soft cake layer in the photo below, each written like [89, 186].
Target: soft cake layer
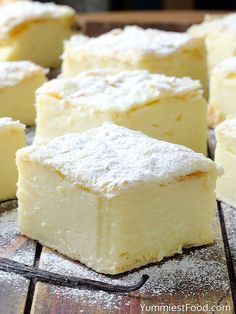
[34, 31]
[130, 199]
[18, 82]
[222, 91]
[226, 155]
[220, 35]
[163, 107]
[174, 54]
[12, 137]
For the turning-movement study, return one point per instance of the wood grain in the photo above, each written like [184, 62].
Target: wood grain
[94, 24]
[13, 288]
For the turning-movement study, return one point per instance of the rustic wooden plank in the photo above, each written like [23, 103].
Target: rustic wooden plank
[13, 288]
[126, 17]
[94, 24]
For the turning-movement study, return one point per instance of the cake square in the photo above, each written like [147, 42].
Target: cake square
[18, 83]
[12, 137]
[222, 91]
[115, 199]
[219, 32]
[34, 31]
[169, 53]
[225, 154]
[166, 108]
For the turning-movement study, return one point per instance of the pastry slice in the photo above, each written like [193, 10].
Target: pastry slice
[18, 82]
[34, 31]
[174, 54]
[166, 108]
[225, 154]
[222, 92]
[115, 199]
[12, 137]
[220, 34]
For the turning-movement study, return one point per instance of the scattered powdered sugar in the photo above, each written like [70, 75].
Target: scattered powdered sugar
[108, 160]
[17, 283]
[107, 90]
[12, 245]
[196, 271]
[8, 224]
[130, 43]
[15, 13]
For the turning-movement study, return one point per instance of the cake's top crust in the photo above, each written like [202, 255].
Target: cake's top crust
[16, 13]
[214, 23]
[110, 159]
[9, 123]
[105, 90]
[227, 128]
[227, 67]
[131, 42]
[11, 73]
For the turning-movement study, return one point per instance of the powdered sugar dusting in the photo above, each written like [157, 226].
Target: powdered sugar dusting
[15, 13]
[12, 245]
[107, 90]
[9, 123]
[12, 283]
[198, 271]
[132, 41]
[11, 73]
[108, 160]
[13, 288]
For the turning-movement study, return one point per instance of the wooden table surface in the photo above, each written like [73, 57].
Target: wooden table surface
[202, 276]
[96, 23]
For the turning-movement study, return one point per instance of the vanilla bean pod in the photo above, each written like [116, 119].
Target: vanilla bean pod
[68, 281]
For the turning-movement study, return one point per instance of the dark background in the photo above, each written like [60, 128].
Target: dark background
[120, 5]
